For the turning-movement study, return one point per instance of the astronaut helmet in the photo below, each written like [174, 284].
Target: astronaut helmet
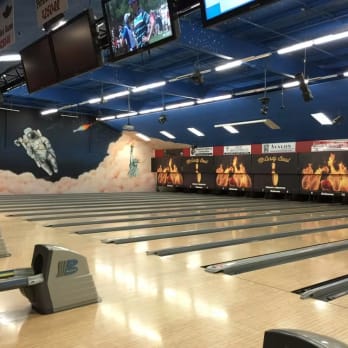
[27, 130]
[30, 133]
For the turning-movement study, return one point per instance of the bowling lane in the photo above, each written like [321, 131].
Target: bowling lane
[144, 297]
[163, 213]
[244, 222]
[240, 233]
[187, 214]
[113, 207]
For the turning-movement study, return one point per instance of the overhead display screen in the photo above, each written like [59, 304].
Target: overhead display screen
[214, 11]
[214, 8]
[134, 26]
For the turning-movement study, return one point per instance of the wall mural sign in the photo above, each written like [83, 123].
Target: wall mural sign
[7, 32]
[49, 9]
[201, 151]
[325, 172]
[275, 172]
[232, 172]
[169, 172]
[237, 149]
[279, 147]
[39, 149]
[199, 168]
[330, 145]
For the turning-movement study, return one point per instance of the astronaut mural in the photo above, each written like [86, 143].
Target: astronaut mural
[39, 149]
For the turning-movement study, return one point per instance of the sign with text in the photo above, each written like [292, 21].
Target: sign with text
[202, 164]
[49, 9]
[199, 181]
[237, 149]
[330, 145]
[7, 32]
[275, 172]
[279, 147]
[201, 151]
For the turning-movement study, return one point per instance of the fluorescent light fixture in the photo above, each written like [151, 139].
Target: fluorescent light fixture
[67, 115]
[179, 105]
[229, 65]
[318, 41]
[295, 47]
[268, 122]
[167, 134]
[10, 58]
[196, 132]
[231, 129]
[293, 83]
[115, 95]
[106, 118]
[345, 74]
[332, 37]
[94, 101]
[212, 99]
[149, 86]
[59, 24]
[143, 136]
[148, 111]
[322, 119]
[127, 114]
[49, 111]
[9, 109]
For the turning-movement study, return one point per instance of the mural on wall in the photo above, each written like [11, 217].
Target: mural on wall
[55, 154]
[111, 175]
[133, 163]
[168, 172]
[232, 172]
[275, 172]
[198, 172]
[38, 148]
[324, 171]
[84, 127]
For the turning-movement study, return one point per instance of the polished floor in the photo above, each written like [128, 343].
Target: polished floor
[170, 301]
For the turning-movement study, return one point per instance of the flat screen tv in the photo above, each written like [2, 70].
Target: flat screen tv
[75, 46]
[134, 26]
[39, 65]
[215, 11]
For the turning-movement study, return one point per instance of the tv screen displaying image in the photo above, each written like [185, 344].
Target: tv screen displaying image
[214, 11]
[137, 25]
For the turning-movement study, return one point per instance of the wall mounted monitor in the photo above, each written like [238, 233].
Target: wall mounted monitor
[39, 65]
[76, 47]
[215, 11]
[134, 26]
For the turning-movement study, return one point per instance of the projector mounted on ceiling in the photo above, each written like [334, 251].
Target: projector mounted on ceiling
[128, 127]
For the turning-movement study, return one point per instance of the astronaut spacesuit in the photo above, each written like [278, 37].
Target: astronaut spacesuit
[39, 149]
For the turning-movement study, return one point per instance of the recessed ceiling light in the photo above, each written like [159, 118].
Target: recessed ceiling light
[322, 119]
[196, 132]
[167, 134]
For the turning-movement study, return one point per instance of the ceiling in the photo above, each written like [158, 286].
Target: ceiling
[254, 37]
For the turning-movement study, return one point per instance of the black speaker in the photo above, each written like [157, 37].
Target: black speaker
[153, 165]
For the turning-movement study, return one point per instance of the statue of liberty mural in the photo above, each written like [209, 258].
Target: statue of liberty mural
[133, 164]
